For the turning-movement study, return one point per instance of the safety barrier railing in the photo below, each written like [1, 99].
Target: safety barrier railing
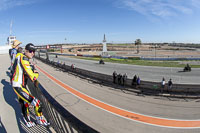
[183, 89]
[61, 120]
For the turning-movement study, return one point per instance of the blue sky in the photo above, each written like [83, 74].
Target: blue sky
[86, 21]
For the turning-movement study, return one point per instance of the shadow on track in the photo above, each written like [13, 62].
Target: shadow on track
[11, 98]
[2, 128]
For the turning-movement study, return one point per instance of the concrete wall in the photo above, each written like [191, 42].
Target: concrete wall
[4, 49]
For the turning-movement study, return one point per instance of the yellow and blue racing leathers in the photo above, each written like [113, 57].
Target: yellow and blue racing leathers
[21, 71]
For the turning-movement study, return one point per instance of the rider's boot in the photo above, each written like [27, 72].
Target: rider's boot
[28, 122]
[42, 121]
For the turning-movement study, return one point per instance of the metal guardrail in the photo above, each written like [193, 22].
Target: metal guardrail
[61, 120]
[186, 89]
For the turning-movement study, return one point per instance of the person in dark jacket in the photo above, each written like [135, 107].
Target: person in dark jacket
[124, 78]
[114, 77]
[119, 76]
[134, 81]
[170, 84]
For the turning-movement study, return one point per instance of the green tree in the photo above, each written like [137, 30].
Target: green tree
[138, 42]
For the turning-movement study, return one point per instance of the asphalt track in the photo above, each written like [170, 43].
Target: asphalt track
[109, 109]
[145, 73]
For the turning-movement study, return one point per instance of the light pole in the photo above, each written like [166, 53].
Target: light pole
[66, 40]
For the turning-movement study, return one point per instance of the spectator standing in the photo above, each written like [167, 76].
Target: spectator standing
[20, 50]
[138, 81]
[10, 52]
[170, 84]
[13, 52]
[124, 78]
[119, 76]
[114, 76]
[162, 84]
[120, 79]
[73, 67]
[134, 81]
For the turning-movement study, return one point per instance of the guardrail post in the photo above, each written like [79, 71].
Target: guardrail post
[61, 120]
[39, 54]
[47, 56]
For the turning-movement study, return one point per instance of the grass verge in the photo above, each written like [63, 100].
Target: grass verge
[141, 62]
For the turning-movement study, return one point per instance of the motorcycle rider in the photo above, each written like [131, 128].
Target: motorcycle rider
[21, 71]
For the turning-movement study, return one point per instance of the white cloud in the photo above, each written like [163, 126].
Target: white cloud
[6, 4]
[160, 8]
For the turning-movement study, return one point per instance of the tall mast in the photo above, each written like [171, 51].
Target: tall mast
[104, 52]
[104, 38]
